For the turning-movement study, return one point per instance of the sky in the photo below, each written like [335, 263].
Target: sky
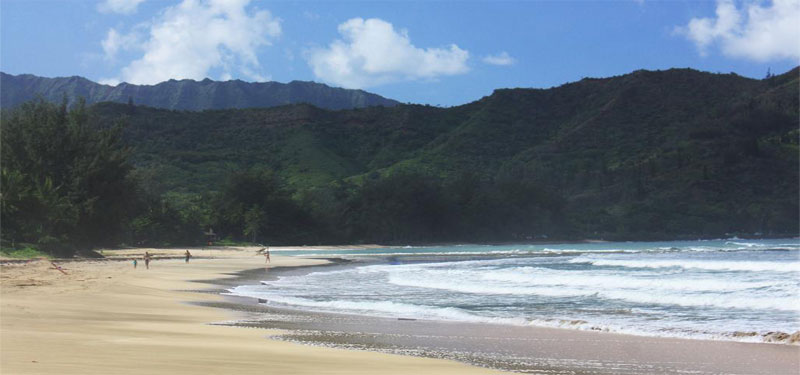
[440, 53]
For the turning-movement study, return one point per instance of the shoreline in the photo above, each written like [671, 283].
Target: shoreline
[774, 334]
[517, 348]
[107, 317]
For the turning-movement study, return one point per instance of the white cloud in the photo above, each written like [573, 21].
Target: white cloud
[502, 59]
[193, 37]
[759, 31]
[114, 42]
[371, 53]
[109, 81]
[119, 6]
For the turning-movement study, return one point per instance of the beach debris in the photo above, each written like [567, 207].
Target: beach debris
[57, 267]
[575, 322]
[782, 337]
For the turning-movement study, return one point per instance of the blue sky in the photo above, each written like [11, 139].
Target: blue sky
[439, 53]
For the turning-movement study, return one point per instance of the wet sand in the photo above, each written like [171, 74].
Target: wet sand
[512, 348]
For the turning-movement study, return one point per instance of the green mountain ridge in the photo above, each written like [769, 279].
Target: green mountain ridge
[185, 94]
[650, 154]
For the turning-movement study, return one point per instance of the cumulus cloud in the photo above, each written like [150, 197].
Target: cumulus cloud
[371, 52]
[501, 59]
[759, 31]
[115, 42]
[192, 38]
[119, 6]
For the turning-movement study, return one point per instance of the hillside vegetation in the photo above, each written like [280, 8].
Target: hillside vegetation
[647, 155]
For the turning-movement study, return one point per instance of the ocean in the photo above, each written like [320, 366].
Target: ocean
[740, 290]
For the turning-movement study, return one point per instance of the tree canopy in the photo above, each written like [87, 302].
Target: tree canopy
[63, 178]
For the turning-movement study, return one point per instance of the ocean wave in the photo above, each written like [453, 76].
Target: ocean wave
[746, 244]
[523, 277]
[413, 253]
[693, 289]
[423, 251]
[705, 265]
[640, 296]
[509, 273]
[547, 277]
[389, 309]
[379, 308]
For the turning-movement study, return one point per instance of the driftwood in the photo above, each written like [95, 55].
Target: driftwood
[57, 267]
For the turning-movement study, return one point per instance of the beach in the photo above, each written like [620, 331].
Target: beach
[105, 317]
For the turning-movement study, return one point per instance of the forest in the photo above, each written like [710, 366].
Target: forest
[648, 155]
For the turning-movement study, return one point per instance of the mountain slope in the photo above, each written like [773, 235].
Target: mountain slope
[186, 94]
[643, 155]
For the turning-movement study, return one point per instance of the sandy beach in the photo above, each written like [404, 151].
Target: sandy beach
[105, 317]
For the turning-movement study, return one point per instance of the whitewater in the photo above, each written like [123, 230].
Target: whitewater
[722, 289]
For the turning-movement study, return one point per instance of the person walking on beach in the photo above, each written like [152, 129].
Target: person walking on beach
[188, 255]
[147, 259]
[135, 263]
[266, 255]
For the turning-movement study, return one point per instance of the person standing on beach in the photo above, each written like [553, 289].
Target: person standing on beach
[135, 263]
[266, 255]
[188, 255]
[147, 259]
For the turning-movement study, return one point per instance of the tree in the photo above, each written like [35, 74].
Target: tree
[64, 178]
[401, 207]
[241, 210]
[253, 219]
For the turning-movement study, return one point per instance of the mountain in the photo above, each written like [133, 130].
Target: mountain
[650, 154]
[186, 94]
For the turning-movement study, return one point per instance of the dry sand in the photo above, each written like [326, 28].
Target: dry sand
[105, 317]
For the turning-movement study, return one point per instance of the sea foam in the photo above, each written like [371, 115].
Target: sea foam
[706, 265]
[695, 289]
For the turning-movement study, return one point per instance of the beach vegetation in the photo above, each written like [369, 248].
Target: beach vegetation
[63, 178]
[23, 251]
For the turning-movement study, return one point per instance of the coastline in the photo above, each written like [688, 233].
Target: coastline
[527, 349]
[104, 316]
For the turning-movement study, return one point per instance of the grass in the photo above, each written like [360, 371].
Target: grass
[230, 242]
[27, 252]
